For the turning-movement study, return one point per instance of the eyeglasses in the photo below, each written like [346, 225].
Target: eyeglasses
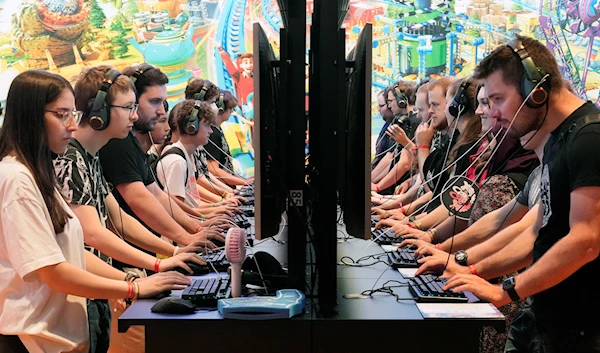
[67, 115]
[131, 109]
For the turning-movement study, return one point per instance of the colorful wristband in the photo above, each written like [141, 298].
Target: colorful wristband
[473, 270]
[157, 265]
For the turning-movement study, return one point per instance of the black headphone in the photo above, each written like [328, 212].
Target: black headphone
[141, 69]
[192, 122]
[460, 103]
[221, 103]
[100, 113]
[531, 77]
[401, 98]
[200, 95]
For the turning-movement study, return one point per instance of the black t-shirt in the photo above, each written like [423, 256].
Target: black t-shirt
[217, 144]
[530, 195]
[383, 145]
[434, 164]
[80, 181]
[124, 161]
[571, 160]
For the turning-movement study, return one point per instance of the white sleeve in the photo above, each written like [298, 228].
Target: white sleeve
[174, 173]
[29, 236]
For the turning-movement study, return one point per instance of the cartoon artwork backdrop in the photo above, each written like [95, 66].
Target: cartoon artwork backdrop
[212, 39]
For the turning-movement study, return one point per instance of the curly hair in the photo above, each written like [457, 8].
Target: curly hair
[183, 110]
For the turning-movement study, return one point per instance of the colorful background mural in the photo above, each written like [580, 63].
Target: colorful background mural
[212, 39]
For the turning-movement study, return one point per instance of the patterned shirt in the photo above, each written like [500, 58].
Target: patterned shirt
[81, 182]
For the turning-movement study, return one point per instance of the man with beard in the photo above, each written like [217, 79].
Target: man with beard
[126, 168]
[384, 142]
[526, 92]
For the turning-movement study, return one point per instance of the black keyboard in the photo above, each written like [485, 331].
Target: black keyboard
[205, 292]
[402, 258]
[385, 236]
[249, 200]
[428, 289]
[247, 210]
[374, 221]
[241, 221]
[217, 259]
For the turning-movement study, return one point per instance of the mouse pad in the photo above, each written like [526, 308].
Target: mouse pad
[285, 304]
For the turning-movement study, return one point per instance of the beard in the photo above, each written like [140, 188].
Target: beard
[145, 126]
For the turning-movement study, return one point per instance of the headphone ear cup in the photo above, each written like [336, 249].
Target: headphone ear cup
[453, 109]
[100, 120]
[191, 127]
[538, 96]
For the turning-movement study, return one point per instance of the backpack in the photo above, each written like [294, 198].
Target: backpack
[154, 161]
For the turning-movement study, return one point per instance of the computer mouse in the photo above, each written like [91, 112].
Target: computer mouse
[198, 269]
[172, 305]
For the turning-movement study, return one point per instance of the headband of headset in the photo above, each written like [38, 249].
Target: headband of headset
[99, 113]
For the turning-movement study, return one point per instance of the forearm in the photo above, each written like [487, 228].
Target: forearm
[564, 258]
[382, 168]
[415, 206]
[150, 210]
[189, 224]
[204, 189]
[100, 268]
[513, 257]
[393, 176]
[69, 279]
[110, 244]
[209, 186]
[220, 185]
[497, 242]
[434, 218]
[490, 224]
[225, 177]
[137, 234]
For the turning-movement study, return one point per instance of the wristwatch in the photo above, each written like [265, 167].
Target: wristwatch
[508, 285]
[461, 257]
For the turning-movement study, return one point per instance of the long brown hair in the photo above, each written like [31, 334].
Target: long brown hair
[24, 133]
[473, 129]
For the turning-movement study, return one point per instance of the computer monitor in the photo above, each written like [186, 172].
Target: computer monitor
[269, 198]
[355, 172]
[283, 10]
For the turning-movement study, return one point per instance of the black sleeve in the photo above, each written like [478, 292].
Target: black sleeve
[522, 197]
[212, 152]
[463, 163]
[119, 159]
[583, 157]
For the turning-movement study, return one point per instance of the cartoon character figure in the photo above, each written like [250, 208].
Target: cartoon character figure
[463, 197]
[242, 73]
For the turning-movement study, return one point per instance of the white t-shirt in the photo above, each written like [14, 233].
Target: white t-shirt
[45, 320]
[174, 171]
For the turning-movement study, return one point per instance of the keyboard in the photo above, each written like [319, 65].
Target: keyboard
[402, 258]
[249, 200]
[205, 292]
[241, 221]
[217, 259]
[385, 236]
[428, 289]
[374, 221]
[247, 210]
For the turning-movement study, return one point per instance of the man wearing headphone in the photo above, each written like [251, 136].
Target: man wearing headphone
[192, 120]
[561, 249]
[401, 101]
[125, 166]
[384, 142]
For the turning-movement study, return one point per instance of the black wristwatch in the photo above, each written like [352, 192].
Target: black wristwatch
[509, 286]
[461, 257]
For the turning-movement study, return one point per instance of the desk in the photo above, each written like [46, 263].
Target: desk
[361, 325]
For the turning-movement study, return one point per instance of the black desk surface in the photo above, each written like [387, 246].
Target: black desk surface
[360, 324]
